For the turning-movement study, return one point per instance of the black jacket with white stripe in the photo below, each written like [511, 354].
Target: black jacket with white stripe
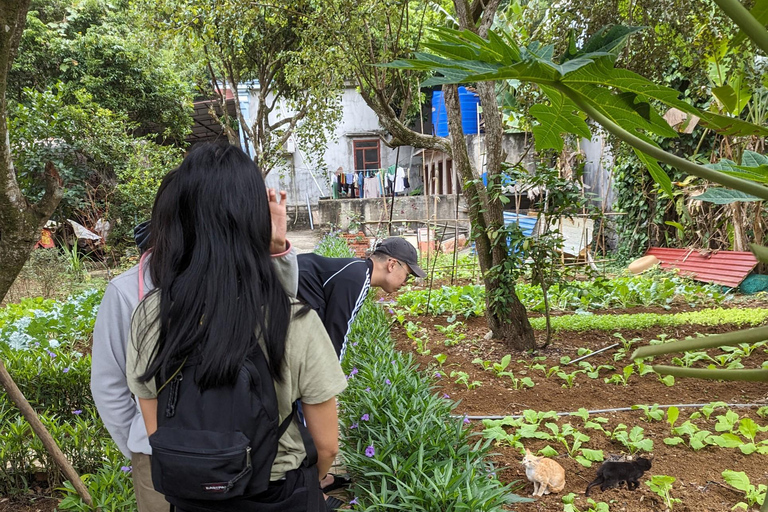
[336, 289]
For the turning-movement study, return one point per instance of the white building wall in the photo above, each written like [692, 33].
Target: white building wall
[303, 179]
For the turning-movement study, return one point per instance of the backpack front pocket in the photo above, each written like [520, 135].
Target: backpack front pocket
[200, 464]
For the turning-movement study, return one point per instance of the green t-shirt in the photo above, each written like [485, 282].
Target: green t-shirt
[311, 372]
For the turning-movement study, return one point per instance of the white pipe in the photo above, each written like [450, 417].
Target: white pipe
[602, 411]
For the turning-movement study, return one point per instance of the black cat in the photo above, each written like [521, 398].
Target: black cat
[611, 474]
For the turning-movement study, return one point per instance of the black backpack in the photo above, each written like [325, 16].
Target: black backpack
[218, 445]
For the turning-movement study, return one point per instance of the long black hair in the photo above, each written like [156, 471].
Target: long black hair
[210, 263]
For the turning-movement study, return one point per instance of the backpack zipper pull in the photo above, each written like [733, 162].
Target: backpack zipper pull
[170, 408]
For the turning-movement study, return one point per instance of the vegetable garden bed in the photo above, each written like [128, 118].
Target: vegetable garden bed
[485, 382]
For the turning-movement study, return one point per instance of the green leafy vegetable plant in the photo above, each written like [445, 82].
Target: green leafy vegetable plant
[652, 413]
[634, 440]
[463, 378]
[569, 505]
[752, 495]
[569, 378]
[621, 378]
[662, 485]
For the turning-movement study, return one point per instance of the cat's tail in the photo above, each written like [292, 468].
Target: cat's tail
[597, 481]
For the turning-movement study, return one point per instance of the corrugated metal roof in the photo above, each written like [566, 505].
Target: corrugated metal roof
[527, 223]
[728, 268]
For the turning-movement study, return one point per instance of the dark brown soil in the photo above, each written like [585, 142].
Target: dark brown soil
[699, 482]
[28, 503]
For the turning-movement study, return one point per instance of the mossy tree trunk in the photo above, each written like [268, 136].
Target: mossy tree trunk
[20, 220]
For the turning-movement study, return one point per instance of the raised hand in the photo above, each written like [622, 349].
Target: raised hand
[279, 221]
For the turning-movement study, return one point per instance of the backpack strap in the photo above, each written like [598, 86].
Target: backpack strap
[160, 388]
[141, 275]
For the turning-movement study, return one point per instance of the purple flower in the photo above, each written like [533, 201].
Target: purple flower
[37, 344]
[370, 451]
[354, 344]
[354, 501]
[78, 412]
[438, 376]
[388, 382]
[364, 417]
[466, 420]
[446, 396]
[126, 469]
[368, 389]
[353, 426]
[52, 354]
[65, 370]
[391, 311]
[353, 372]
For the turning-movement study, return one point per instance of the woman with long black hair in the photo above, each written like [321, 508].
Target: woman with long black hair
[218, 303]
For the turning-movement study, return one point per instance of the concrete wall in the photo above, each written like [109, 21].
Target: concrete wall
[340, 212]
[513, 144]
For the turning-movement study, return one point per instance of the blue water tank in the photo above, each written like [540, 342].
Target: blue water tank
[439, 115]
[469, 102]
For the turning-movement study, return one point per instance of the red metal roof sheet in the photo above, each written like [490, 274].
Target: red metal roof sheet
[728, 268]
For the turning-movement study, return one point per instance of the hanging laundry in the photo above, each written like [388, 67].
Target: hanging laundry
[371, 188]
[399, 185]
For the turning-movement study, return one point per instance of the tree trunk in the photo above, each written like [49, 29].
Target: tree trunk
[20, 221]
[509, 323]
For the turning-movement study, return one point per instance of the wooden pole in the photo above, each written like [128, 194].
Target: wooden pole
[15, 394]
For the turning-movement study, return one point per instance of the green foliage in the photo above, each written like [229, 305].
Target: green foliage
[620, 292]
[39, 337]
[753, 495]
[111, 489]
[569, 505]
[46, 323]
[98, 50]
[662, 485]
[716, 316]
[93, 153]
[453, 333]
[621, 378]
[463, 378]
[290, 55]
[652, 413]
[634, 440]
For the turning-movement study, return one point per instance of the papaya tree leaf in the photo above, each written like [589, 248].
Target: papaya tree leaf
[556, 118]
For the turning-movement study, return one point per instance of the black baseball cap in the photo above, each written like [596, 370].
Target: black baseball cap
[400, 249]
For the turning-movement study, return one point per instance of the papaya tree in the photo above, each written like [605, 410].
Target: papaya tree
[584, 81]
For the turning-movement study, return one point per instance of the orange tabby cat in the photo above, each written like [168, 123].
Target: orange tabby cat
[546, 474]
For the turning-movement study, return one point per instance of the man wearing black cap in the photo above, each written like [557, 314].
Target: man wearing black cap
[337, 287]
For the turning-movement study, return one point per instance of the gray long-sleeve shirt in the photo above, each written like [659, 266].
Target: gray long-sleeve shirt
[111, 332]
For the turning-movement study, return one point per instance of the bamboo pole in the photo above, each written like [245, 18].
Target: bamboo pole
[15, 394]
